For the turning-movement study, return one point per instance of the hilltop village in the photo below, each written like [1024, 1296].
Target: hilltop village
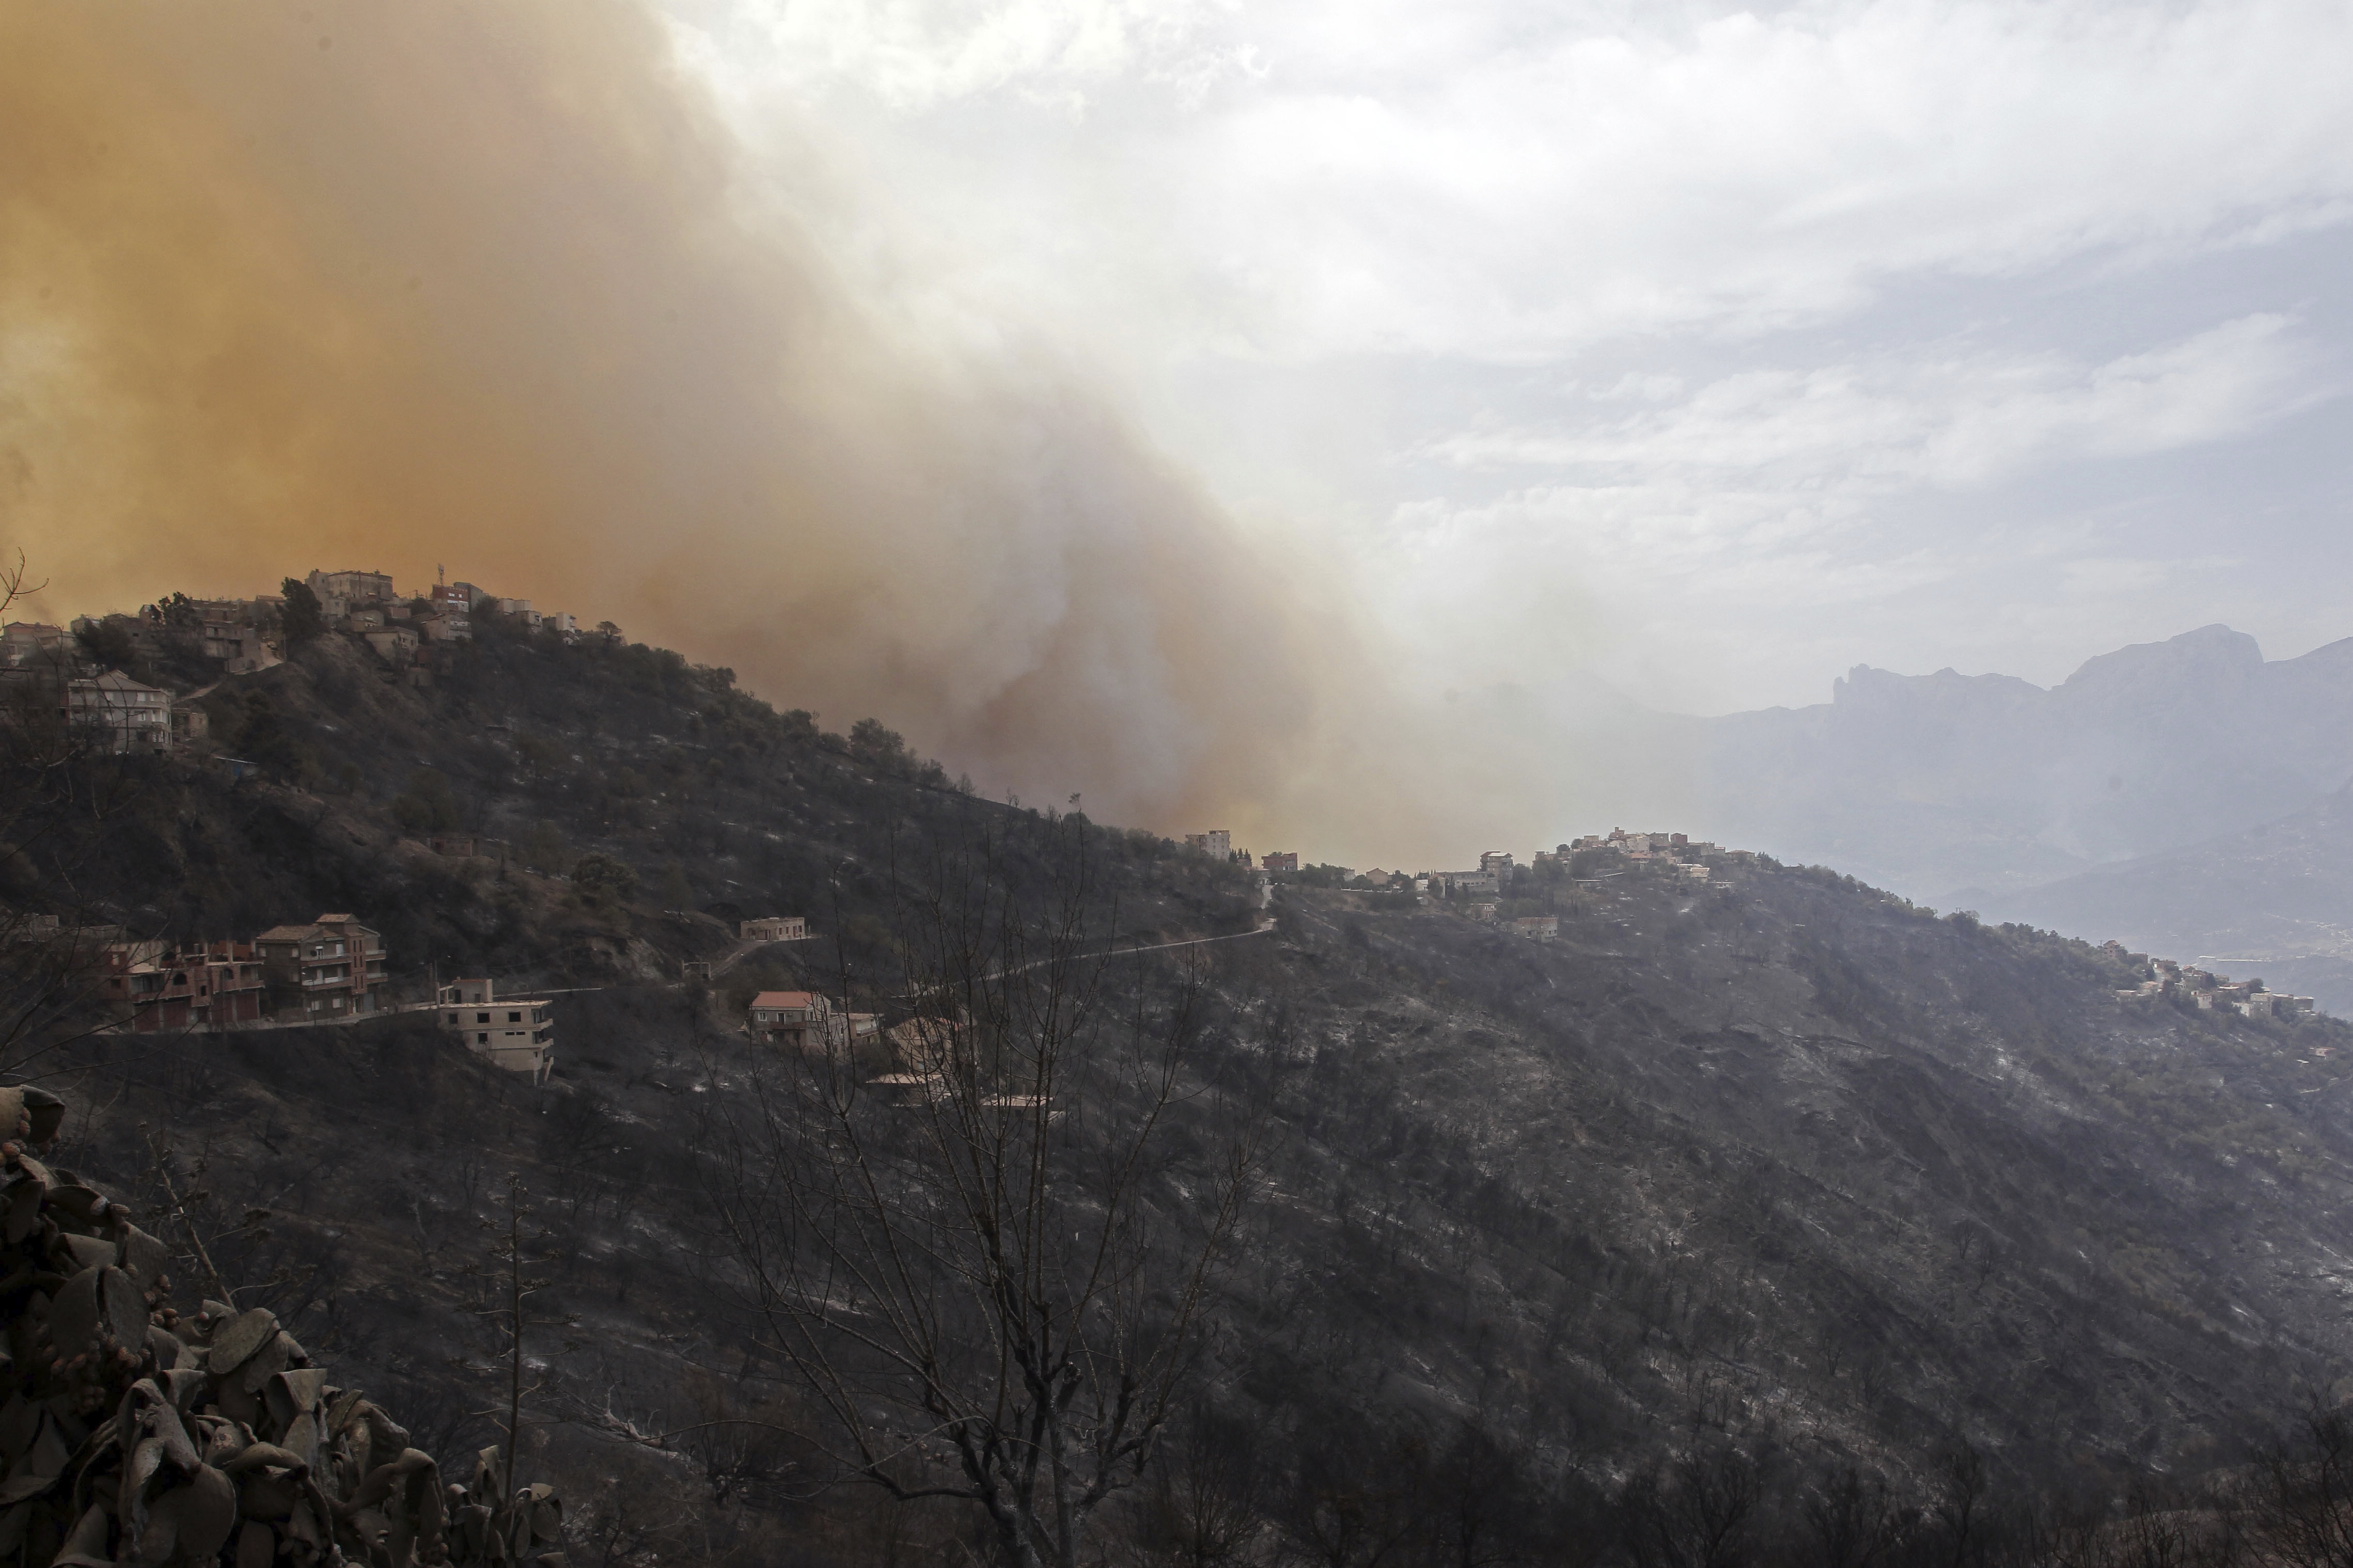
[1503, 893]
[334, 967]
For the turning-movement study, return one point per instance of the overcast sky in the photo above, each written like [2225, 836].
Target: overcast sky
[1706, 351]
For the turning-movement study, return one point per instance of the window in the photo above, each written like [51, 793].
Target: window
[482, 1017]
[481, 1039]
[514, 1017]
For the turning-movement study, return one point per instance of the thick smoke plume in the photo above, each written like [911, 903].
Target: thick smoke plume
[389, 286]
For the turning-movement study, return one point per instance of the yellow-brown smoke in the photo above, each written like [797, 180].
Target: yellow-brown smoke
[483, 284]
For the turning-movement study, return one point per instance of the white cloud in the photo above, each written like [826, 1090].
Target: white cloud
[1926, 418]
[1487, 181]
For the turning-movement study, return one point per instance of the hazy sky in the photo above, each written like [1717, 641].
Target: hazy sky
[1707, 351]
[1294, 418]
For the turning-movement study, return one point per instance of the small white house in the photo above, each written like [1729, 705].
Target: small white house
[513, 1033]
[775, 928]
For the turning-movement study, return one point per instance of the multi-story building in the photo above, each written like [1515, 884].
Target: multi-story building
[127, 716]
[207, 986]
[776, 928]
[514, 1033]
[26, 642]
[803, 1019]
[1217, 843]
[336, 963]
[806, 1020]
[341, 592]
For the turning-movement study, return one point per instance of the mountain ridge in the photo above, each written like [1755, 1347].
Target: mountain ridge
[1938, 783]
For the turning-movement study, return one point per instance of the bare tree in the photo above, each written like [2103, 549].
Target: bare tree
[1851, 1523]
[2299, 1500]
[1700, 1511]
[988, 1267]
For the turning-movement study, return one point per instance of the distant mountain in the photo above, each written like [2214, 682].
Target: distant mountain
[1955, 788]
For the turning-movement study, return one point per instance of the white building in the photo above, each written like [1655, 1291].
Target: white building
[776, 928]
[513, 1033]
[132, 716]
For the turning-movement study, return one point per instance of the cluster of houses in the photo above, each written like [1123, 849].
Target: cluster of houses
[926, 1058]
[1482, 889]
[246, 636]
[330, 969]
[1674, 855]
[400, 629]
[326, 972]
[2203, 989]
[801, 1020]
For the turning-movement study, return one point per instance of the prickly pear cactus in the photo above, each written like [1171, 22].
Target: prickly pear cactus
[130, 1435]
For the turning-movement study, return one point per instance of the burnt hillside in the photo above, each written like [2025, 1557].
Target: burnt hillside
[1778, 1166]
[550, 755]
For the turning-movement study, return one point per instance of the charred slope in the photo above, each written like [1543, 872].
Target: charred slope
[1782, 1157]
[1792, 1152]
[626, 809]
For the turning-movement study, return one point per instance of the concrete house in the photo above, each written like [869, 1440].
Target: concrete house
[1537, 928]
[26, 642]
[340, 593]
[775, 928]
[336, 963]
[804, 1019]
[207, 986]
[514, 1033]
[394, 645]
[1218, 844]
[125, 715]
[446, 623]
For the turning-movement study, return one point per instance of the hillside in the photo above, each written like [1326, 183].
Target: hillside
[1779, 1164]
[2274, 899]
